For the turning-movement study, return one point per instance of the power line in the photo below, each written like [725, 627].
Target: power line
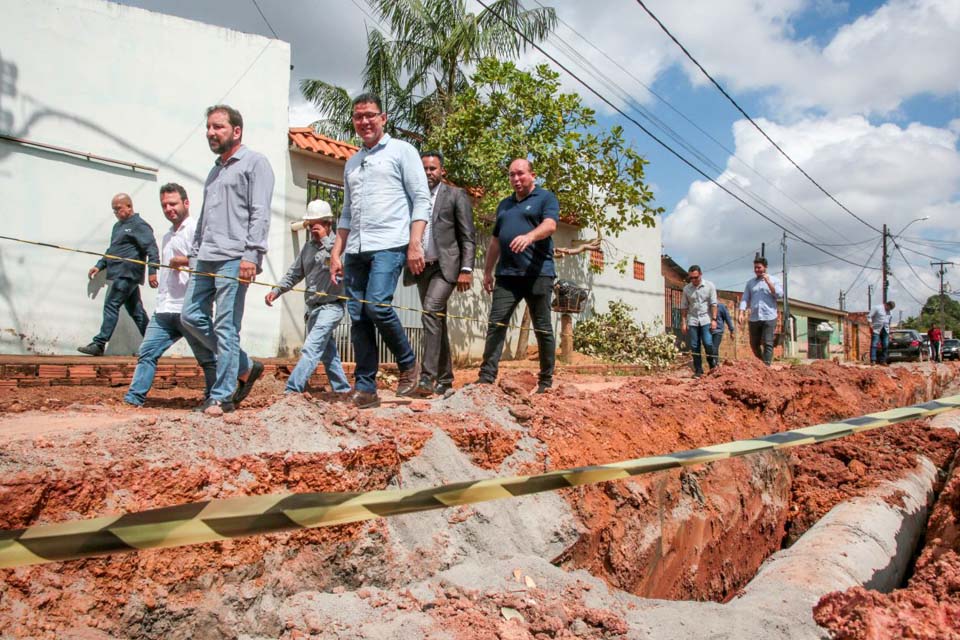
[914, 271]
[674, 152]
[269, 26]
[751, 120]
[649, 115]
[869, 258]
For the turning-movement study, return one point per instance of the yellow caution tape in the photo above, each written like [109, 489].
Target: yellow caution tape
[244, 516]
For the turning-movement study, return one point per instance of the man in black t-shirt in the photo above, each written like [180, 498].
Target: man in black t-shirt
[522, 250]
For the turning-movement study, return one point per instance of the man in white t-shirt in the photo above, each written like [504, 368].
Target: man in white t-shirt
[165, 327]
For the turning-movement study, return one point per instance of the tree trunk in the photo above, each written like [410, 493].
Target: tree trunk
[524, 338]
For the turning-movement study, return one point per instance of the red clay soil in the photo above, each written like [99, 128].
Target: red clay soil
[735, 402]
[929, 606]
[701, 532]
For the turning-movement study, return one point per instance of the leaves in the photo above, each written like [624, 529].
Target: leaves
[508, 113]
[615, 336]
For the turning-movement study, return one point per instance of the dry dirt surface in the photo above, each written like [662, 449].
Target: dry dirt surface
[546, 566]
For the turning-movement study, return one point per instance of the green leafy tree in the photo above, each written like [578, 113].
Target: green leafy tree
[948, 319]
[509, 113]
[419, 67]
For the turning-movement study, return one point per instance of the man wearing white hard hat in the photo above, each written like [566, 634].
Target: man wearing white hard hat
[324, 309]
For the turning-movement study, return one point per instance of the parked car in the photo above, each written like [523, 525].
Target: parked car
[905, 344]
[950, 349]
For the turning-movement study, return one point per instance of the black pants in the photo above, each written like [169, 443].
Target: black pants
[507, 294]
[126, 293]
[437, 363]
[761, 334]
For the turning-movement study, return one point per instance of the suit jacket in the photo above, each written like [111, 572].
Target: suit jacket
[453, 233]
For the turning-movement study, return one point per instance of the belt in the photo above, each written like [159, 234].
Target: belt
[428, 263]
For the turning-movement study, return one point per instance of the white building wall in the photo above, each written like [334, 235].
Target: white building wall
[645, 296]
[133, 85]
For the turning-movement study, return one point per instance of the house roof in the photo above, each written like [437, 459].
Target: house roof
[306, 139]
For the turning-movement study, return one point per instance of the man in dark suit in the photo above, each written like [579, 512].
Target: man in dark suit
[448, 246]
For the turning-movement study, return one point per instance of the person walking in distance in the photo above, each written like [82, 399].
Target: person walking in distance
[879, 318]
[723, 318]
[698, 309]
[760, 297]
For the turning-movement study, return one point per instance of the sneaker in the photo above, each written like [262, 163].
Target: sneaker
[407, 385]
[244, 388]
[211, 407]
[92, 349]
[365, 400]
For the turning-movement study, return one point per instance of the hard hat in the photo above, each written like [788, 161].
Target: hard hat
[318, 210]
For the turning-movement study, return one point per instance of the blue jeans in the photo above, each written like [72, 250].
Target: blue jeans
[165, 329]
[701, 335]
[879, 344]
[123, 292]
[218, 334]
[320, 347]
[373, 276]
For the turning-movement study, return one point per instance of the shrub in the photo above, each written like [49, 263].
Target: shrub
[615, 336]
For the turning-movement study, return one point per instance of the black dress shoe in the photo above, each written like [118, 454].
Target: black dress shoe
[244, 388]
[92, 349]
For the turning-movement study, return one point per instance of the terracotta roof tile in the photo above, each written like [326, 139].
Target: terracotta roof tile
[306, 139]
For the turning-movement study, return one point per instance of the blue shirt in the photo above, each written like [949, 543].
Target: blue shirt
[762, 303]
[723, 318]
[384, 191]
[517, 217]
[235, 219]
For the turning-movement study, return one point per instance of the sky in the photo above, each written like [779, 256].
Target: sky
[863, 95]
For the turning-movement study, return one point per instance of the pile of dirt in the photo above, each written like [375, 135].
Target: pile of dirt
[699, 533]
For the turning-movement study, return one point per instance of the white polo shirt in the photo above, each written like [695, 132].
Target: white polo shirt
[173, 283]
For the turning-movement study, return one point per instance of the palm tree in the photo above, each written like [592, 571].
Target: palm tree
[431, 40]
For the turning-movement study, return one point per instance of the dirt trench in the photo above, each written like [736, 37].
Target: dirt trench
[696, 534]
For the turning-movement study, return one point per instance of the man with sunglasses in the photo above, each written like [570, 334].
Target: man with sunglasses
[386, 206]
[698, 309]
[324, 309]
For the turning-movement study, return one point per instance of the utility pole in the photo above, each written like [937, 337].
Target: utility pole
[787, 327]
[869, 297]
[763, 249]
[886, 283]
[842, 297]
[941, 271]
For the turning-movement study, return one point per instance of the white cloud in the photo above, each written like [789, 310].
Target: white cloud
[885, 174]
[872, 65]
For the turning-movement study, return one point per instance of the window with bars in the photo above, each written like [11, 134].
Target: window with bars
[639, 270]
[317, 188]
[596, 259]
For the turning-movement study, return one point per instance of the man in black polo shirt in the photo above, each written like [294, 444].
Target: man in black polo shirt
[525, 271]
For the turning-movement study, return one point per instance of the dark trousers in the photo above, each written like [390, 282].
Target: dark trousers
[507, 294]
[434, 292]
[717, 340]
[761, 335]
[125, 293]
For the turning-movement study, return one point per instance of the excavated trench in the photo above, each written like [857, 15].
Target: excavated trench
[694, 534]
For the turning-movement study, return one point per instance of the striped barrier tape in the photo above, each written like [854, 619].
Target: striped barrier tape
[344, 298]
[213, 520]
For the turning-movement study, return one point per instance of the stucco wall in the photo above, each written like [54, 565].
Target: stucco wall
[129, 84]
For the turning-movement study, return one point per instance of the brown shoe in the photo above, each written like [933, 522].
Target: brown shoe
[407, 386]
[365, 400]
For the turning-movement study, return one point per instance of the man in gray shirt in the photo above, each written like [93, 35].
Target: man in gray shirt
[324, 307]
[698, 309]
[230, 242]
